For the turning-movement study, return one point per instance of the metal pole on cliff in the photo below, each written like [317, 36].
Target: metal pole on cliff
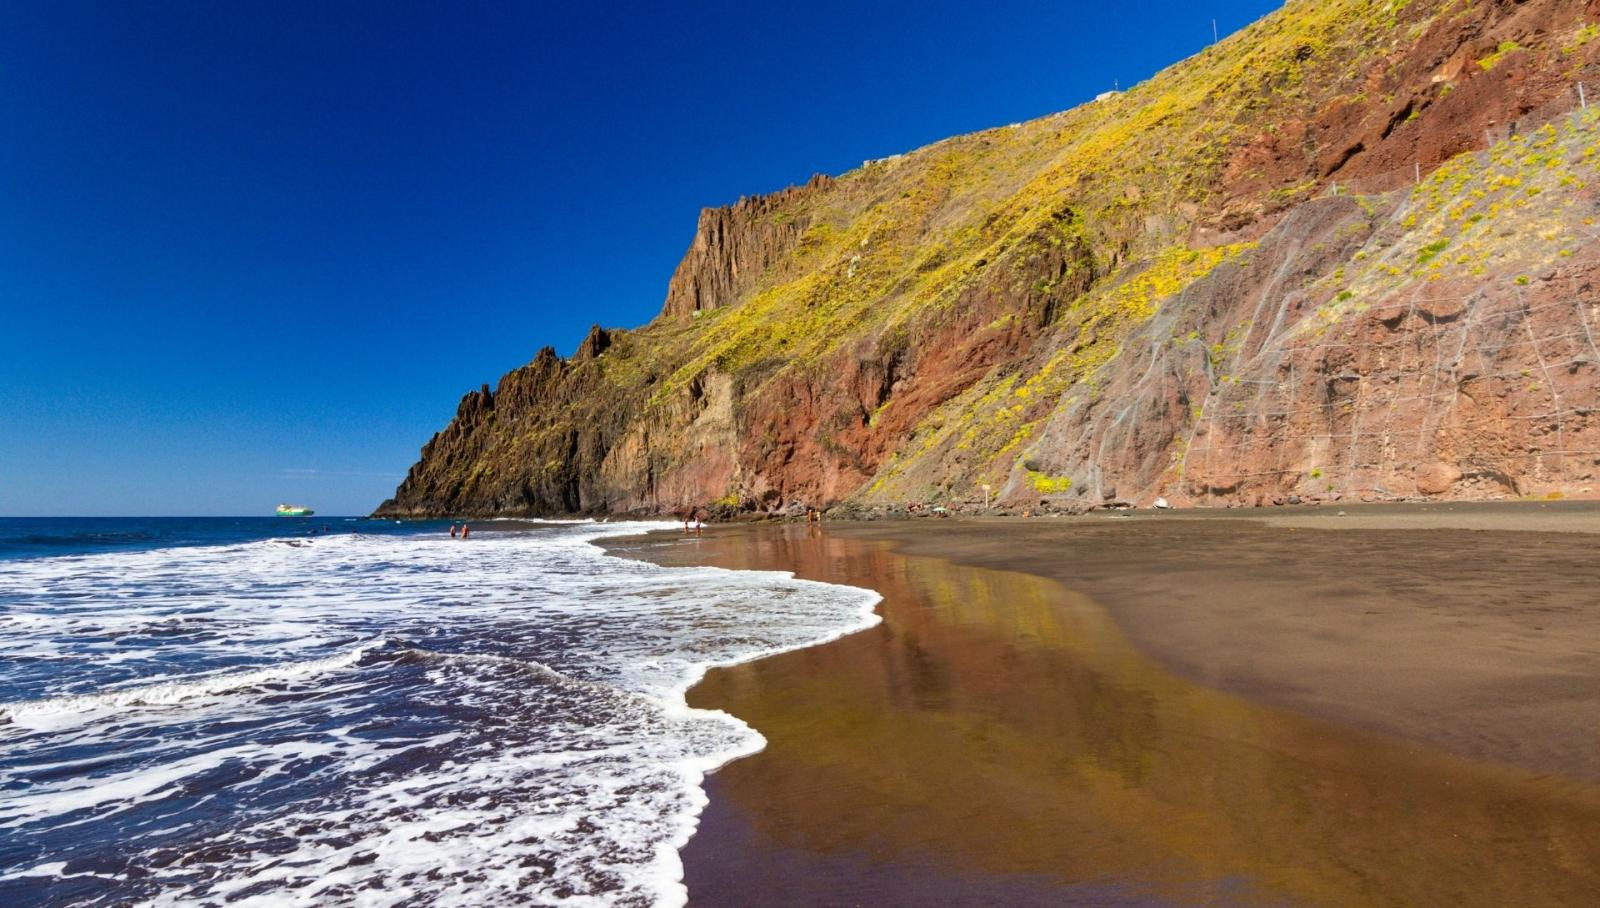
[1418, 167]
[1583, 103]
[1213, 31]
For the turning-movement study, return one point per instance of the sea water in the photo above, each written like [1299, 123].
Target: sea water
[212, 713]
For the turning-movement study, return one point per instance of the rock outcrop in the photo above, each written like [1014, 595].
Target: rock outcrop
[1348, 253]
[734, 246]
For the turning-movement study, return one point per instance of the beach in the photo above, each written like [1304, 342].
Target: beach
[237, 710]
[1392, 706]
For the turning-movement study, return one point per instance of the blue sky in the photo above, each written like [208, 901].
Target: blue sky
[255, 252]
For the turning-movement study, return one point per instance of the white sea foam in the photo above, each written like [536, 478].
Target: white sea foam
[379, 720]
[50, 711]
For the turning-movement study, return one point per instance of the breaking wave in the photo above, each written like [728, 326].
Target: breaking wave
[374, 720]
[166, 693]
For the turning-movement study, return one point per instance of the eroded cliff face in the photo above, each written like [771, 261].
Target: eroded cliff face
[1348, 252]
[736, 246]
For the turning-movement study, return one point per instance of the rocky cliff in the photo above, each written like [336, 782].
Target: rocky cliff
[1348, 252]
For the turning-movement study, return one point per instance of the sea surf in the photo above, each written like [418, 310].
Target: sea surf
[380, 718]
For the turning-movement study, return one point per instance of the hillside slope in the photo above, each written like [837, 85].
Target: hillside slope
[1348, 251]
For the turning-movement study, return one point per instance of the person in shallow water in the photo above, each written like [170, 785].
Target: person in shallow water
[465, 530]
[452, 530]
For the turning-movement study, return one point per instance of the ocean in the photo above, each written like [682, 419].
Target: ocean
[242, 712]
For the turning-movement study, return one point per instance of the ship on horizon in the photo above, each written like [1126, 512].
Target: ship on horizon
[294, 510]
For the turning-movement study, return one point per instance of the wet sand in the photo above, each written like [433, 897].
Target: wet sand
[1224, 722]
[1472, 628]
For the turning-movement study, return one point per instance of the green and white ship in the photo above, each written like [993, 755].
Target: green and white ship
[294, 510]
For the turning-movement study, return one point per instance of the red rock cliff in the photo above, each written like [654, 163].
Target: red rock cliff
[1350, 252]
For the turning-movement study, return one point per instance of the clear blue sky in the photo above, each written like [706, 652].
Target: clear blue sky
[255, 252]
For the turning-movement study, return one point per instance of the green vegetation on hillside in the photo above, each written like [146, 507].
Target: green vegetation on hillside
[941, 310]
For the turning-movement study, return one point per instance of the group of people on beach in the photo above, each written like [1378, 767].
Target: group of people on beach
[694, 520]
[462, 530]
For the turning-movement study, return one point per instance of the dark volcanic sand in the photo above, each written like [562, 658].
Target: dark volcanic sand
[1001, 740]
[1443, 625]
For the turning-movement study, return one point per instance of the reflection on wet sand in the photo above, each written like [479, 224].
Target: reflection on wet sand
[998, 725]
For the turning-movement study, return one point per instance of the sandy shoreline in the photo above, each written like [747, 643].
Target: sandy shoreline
[1473, 628]
[1000, 737]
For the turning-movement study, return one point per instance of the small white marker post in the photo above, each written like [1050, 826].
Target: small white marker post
[1418, 166]
[986, 496]
[1583, 103]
